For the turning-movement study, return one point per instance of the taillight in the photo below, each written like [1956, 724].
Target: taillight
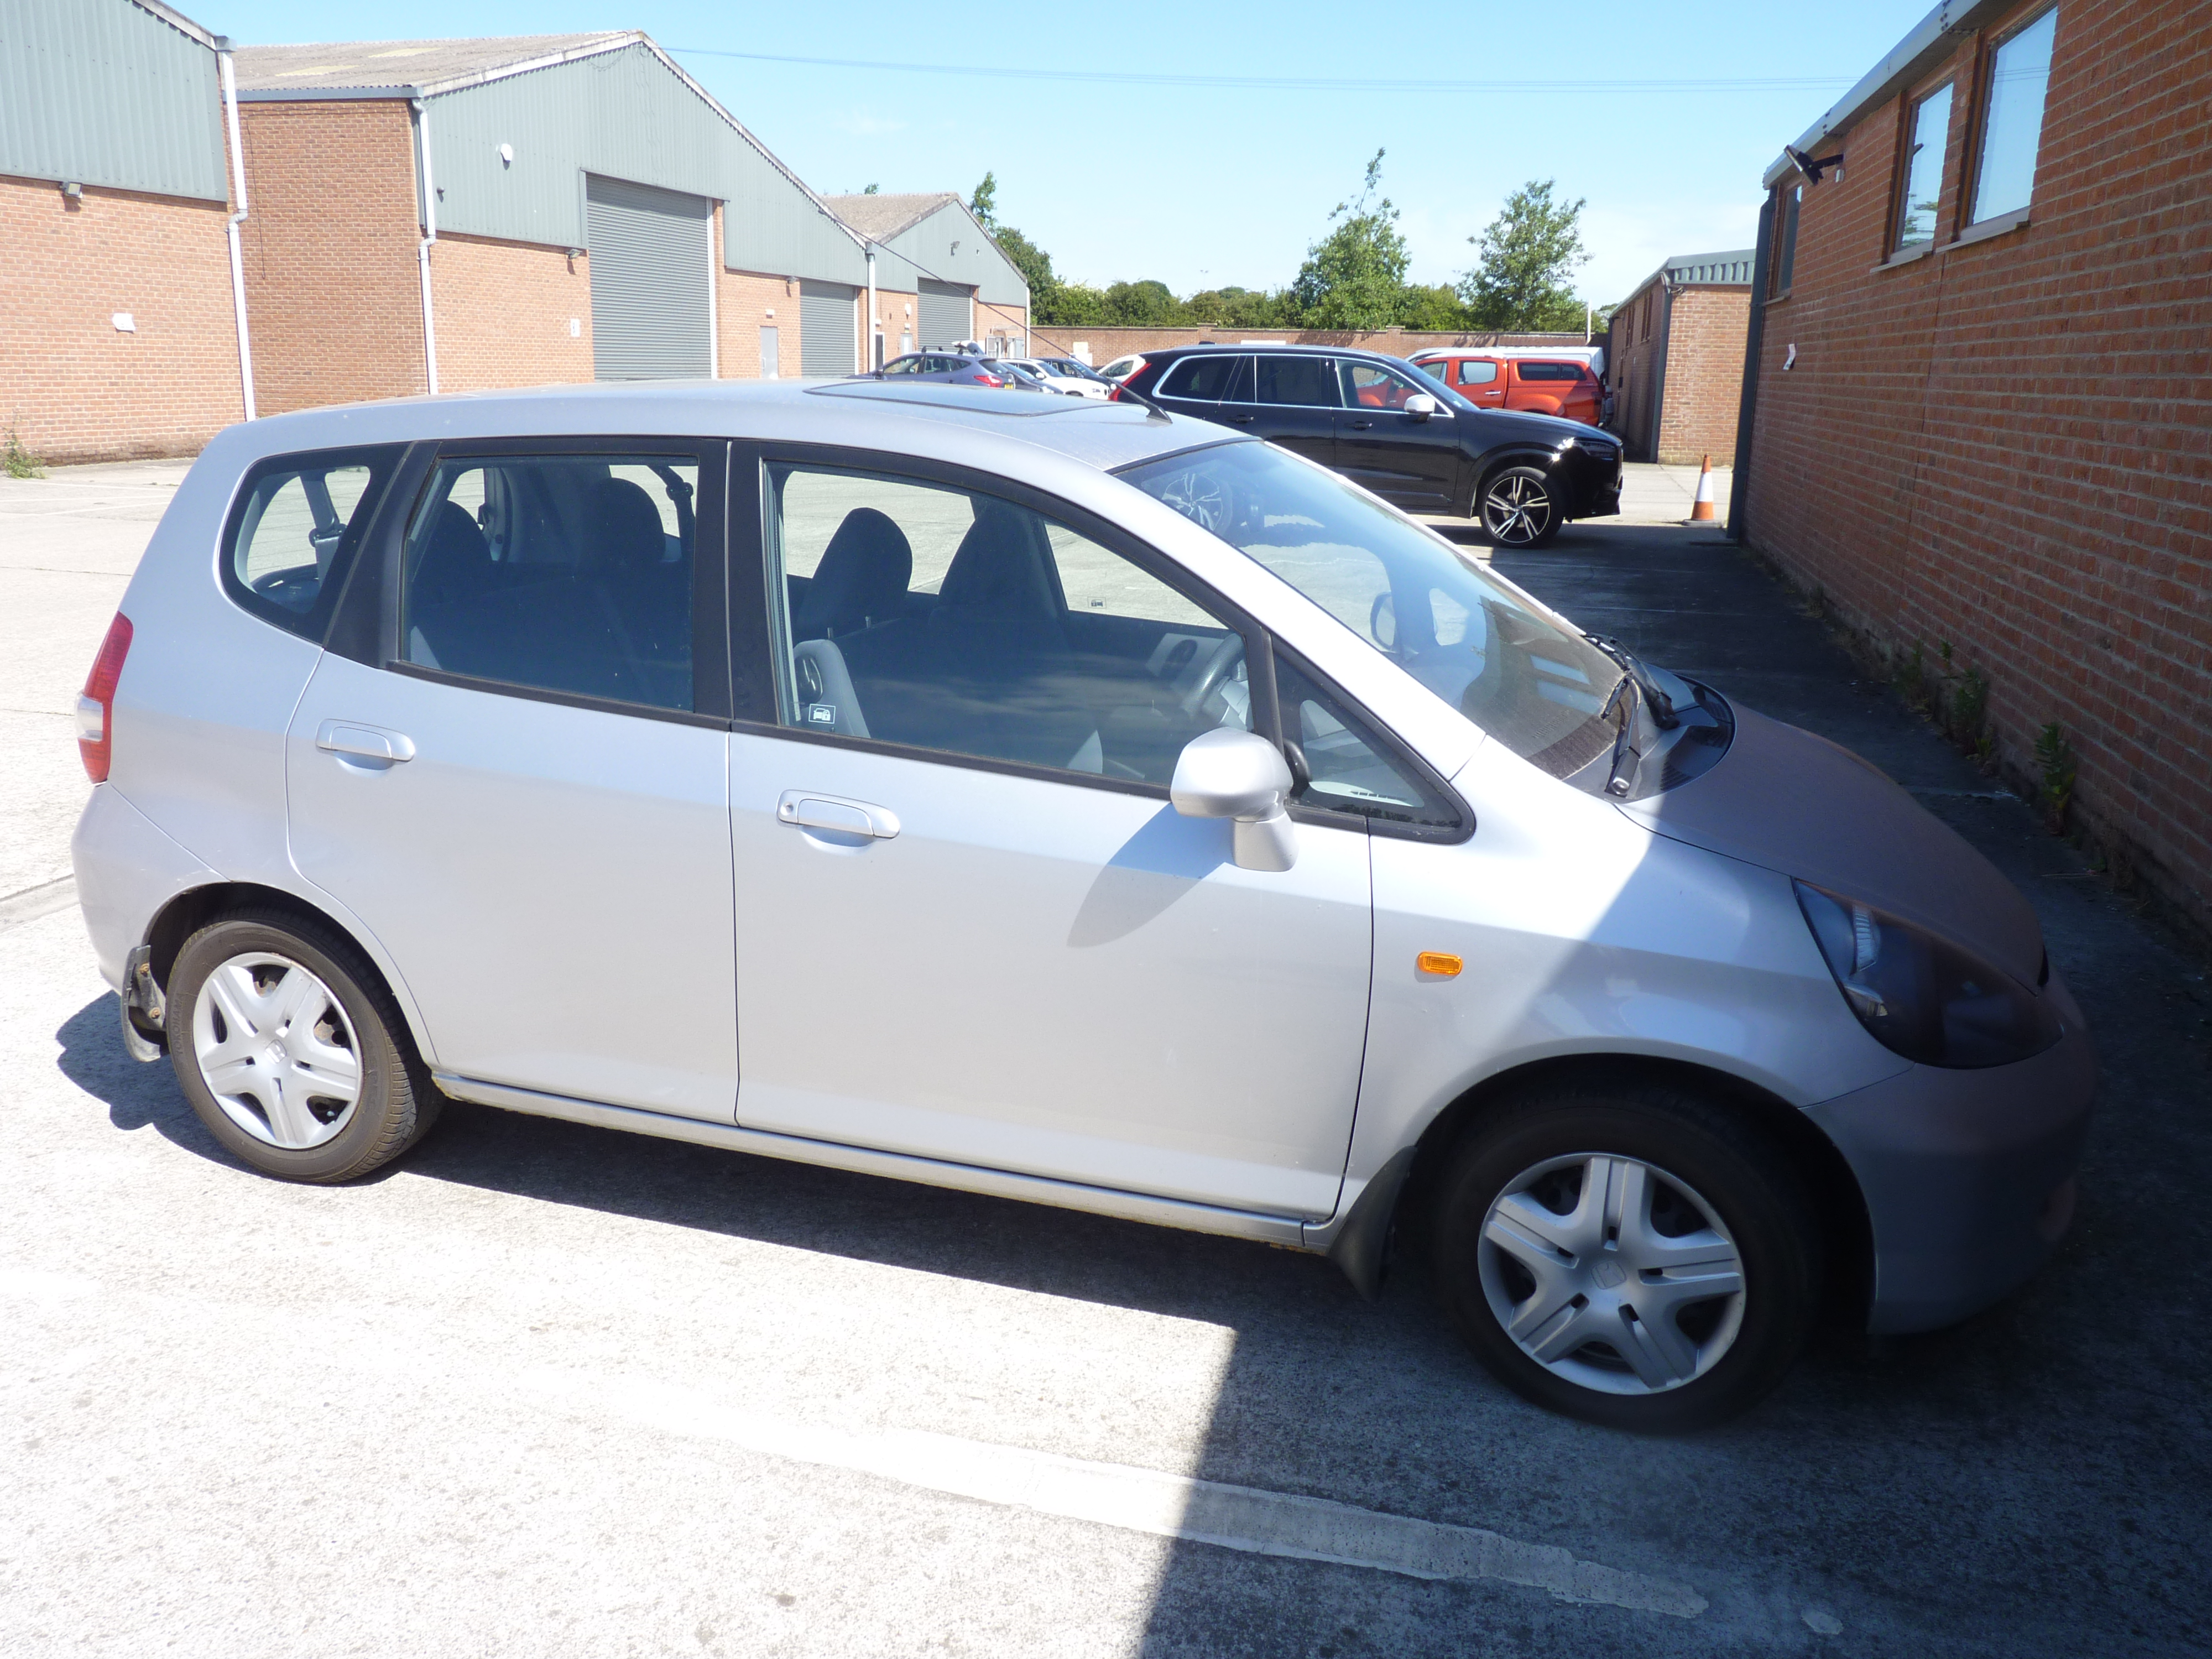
[95, 709]
[983, 379]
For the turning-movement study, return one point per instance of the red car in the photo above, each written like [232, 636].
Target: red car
[1541, 385]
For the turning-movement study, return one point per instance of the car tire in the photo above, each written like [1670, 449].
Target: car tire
[1613, 1302]
[1519, 506]
[291, 1050]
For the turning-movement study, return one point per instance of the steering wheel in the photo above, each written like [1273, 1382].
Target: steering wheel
[1226, 655]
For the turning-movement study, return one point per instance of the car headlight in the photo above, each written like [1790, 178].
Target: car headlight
[1922, 996]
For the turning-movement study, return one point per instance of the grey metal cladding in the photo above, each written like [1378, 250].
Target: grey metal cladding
[652, 264]
[828, 325]
[620, 115]
[104, 92]
[949, 246]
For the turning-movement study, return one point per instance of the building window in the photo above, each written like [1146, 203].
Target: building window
[1785, 240]
[2019, 75]
[1923, 170]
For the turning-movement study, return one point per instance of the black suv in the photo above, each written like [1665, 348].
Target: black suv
[1396, 430]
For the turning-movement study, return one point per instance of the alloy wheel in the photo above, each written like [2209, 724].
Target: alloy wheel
[276, 1050]
[1517, 510]
[1611, 1274]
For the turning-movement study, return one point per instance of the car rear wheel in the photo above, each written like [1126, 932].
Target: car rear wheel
[1638, 1257]
[291, 1051]
[1519, 507]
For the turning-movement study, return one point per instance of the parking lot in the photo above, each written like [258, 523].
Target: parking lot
[544, 1389]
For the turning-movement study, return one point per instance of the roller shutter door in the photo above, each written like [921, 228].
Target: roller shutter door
[652, 253]
[827, 322]
[945, 315]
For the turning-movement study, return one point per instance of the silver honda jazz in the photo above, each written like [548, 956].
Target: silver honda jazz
[1066, 801]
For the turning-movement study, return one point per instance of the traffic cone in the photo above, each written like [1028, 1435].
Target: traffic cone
[1701, 510]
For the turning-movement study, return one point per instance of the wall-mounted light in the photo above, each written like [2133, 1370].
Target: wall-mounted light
[507, 156]
[71, 189]
[124, 323]
[955, 250]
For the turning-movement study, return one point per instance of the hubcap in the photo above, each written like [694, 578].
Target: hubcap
[1517, 510]
[276, 1050]
[1611, 1273]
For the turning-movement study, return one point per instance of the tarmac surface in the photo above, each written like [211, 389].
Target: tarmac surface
[544, 1389]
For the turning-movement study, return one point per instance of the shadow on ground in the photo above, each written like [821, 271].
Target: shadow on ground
[2029, 1483]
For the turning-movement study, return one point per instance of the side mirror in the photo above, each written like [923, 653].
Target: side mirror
[1421, 405]
[1241, 776]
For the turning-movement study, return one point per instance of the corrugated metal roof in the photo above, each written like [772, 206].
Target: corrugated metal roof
[406, 68]
[111, 92]
[879, 217]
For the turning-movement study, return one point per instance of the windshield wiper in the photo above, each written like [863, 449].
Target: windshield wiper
[1660, 705]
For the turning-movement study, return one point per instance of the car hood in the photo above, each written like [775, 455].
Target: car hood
[1785, 798]
[1527, 423]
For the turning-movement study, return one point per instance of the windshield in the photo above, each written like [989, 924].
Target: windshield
[1520, 673]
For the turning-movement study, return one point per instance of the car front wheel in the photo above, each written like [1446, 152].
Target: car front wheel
[1638, 1257]
[291, 1051]
[1519, 508]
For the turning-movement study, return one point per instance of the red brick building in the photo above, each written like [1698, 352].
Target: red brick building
[1980, 419]
[1675, 363]
[119, 330]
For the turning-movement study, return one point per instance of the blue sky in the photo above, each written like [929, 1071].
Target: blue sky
[1209, 185]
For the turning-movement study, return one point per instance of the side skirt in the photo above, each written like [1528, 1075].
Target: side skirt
[898, 1166]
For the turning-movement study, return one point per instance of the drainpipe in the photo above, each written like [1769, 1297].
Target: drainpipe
[1747, 407]
[429, 235]
[1659, 361]
[868, 334]
[237, 261]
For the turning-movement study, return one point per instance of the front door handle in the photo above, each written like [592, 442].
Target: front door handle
[369, 743]
[1239, 420]
[1359, 426]
[805, 809]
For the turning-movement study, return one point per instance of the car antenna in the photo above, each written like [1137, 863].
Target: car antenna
[1153, 411]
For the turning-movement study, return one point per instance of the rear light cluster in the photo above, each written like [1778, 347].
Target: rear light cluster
[1135, 369]
[95, 709]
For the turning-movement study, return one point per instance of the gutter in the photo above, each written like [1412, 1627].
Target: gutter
[421, 115]
[238, 218]
[1931, 38]
[868, 327]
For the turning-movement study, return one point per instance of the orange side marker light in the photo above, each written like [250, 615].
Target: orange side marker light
[1442, 964]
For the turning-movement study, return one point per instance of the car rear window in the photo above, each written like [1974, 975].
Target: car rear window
[1549, 371]
[295, 528]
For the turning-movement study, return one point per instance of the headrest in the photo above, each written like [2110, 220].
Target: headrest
[996, 567]
[863, 577]
[622, 527]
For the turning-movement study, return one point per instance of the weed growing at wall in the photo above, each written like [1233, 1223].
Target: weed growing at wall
[20, 462]
[2055, 760]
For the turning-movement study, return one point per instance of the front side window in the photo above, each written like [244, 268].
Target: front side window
[1522, 674]
[2020, 79]
[294, 533]
[1370, 385]
[1476, 372]
[1306, 381]
[917, 613]
[1340, 765]
[558, 573]
[1923, 170]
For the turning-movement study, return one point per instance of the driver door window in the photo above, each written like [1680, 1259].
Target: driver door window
[941, 619]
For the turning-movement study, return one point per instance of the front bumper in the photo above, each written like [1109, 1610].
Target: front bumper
[1968, 1176]
[1596, 478]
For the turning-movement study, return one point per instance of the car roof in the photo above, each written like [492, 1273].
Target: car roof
[972, 425]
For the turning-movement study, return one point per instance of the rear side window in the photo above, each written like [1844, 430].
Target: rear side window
[559, 573]
[293, 535]
[1476, 373]
[1309, 381]
[1200, 380]
[1549, 371]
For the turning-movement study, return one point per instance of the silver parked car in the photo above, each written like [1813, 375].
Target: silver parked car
[1066, 801]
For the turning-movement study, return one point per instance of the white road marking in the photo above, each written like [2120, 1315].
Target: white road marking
[1136, 1499]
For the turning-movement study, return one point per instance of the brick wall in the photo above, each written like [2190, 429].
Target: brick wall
[333, 301]
[2006, 444]
[74, 386]
[744, 303]
[1704, 374]
[1012, 321]
[1632, 367]
[1108, 344]
[504, 313]
[896, 311]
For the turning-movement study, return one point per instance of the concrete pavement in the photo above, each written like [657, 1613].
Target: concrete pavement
[550, 1389]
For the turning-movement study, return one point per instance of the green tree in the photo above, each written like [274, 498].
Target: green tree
[983, 202]
[1355, 276]
[1033, 262]
[1529, 254]
[1238, 308]
[1436, 308]
[1144, 304]
[1073, 305]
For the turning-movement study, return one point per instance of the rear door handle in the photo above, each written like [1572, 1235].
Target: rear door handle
[364, 742]
[1240, 420]
[805, 809]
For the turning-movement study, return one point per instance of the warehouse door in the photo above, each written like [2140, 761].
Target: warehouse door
[652, 268]
[946, 318]
[829, 328]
